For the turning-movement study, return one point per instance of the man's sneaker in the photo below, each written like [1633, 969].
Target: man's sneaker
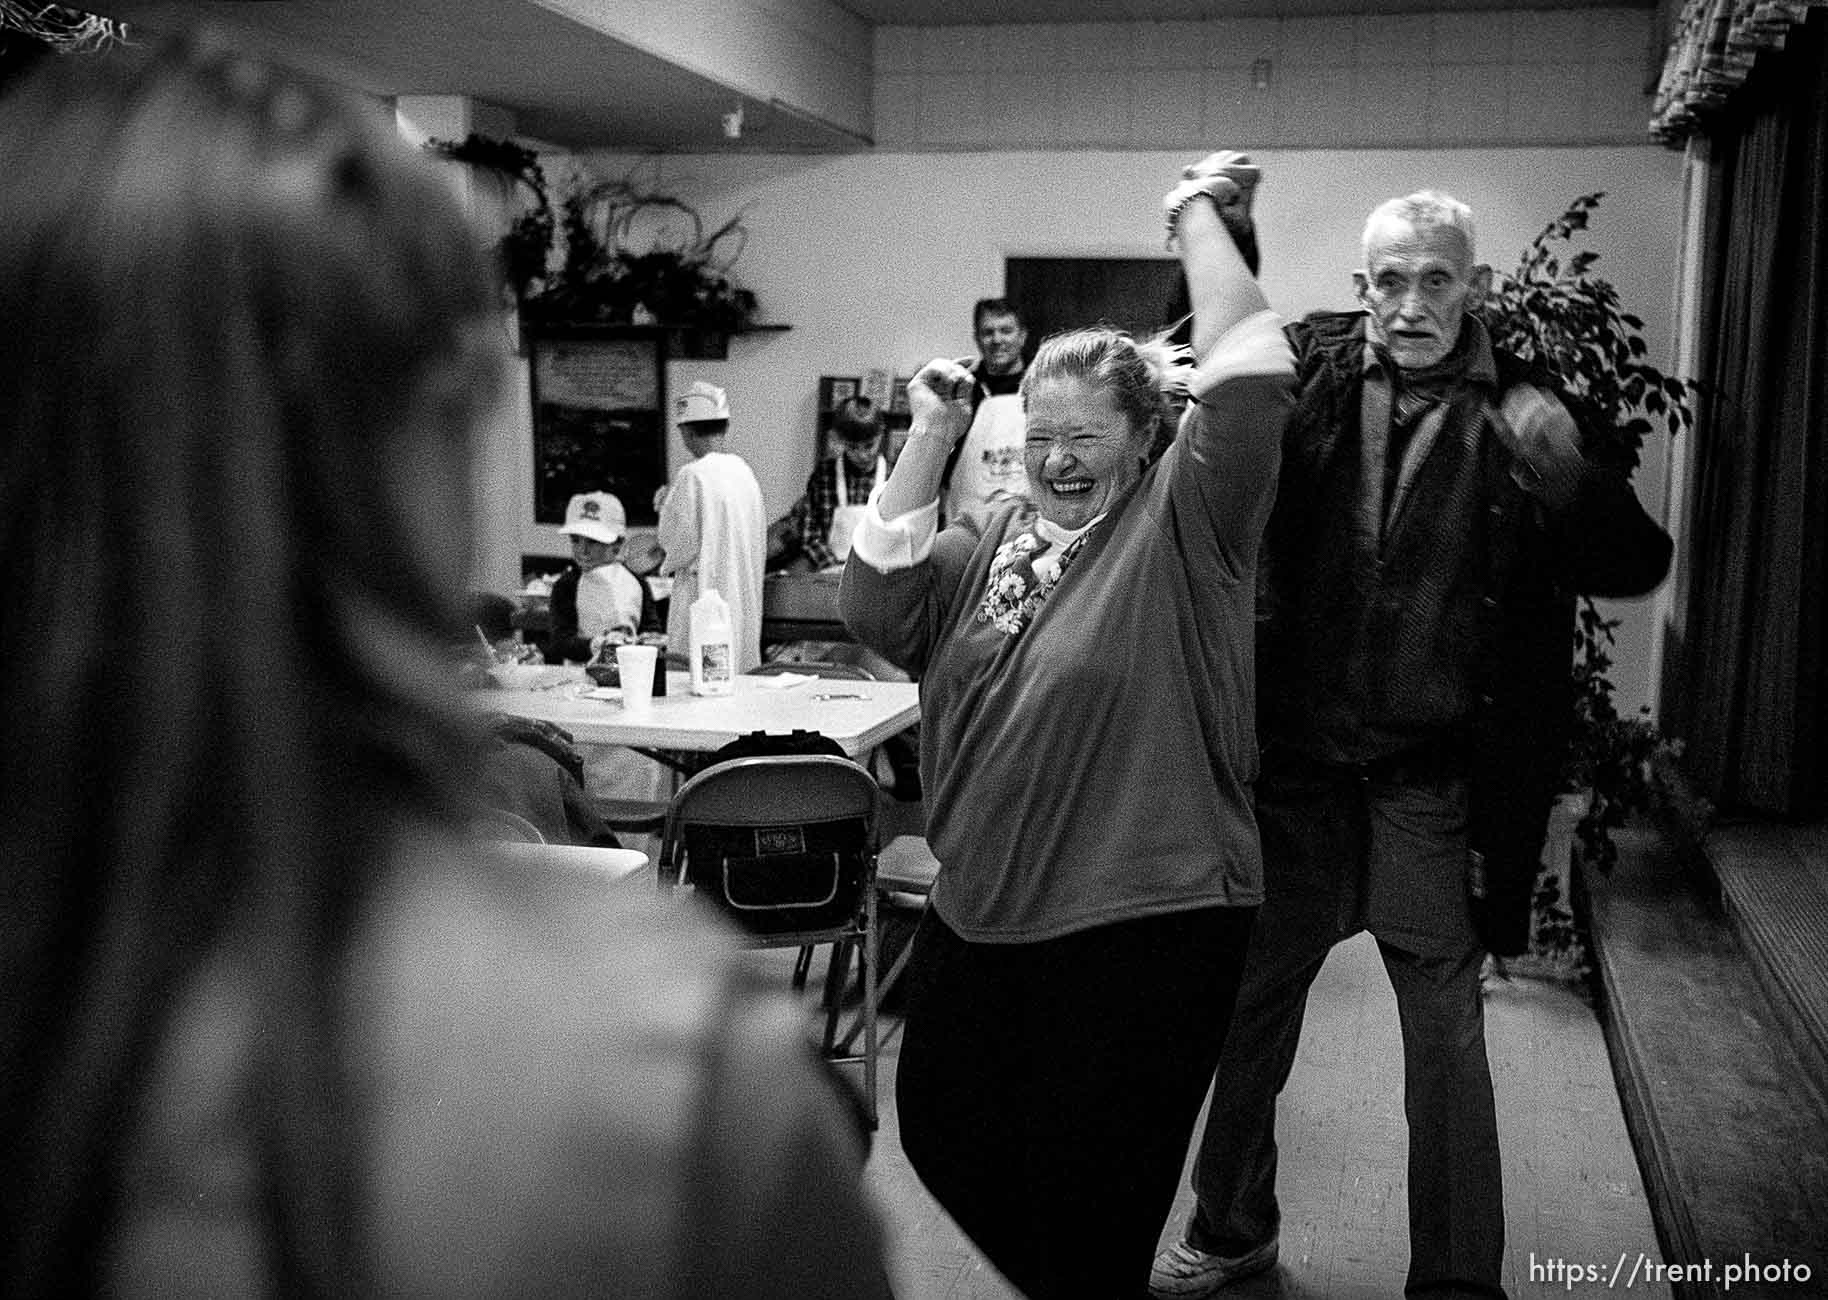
[1184, 1271]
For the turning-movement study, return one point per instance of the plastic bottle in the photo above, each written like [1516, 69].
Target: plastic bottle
[713, 655]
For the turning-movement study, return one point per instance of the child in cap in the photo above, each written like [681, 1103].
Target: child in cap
[597, 595]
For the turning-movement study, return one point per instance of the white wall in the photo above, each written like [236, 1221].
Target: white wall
[875, 259]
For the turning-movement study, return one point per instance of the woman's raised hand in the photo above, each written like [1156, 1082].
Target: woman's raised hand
[1224, 171]
[1228, 177]
[939, 400]
[939, 407]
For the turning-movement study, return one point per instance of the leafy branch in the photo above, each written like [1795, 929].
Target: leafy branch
[1609, 756]
[524, 249]
[1554, 311]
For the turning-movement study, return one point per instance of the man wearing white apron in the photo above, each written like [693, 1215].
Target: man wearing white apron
[847, 515]
[713, 527]
[987, 466]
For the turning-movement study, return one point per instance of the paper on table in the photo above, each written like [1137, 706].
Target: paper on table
[785, 681]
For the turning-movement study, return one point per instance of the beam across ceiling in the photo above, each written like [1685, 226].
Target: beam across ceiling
[565, 81]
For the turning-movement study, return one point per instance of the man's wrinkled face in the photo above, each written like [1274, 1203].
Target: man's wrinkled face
[1418, 284]
[999, 341]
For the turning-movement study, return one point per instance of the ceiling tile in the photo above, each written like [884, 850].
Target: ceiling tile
[1472, 38]
[1319, 41]
[1166, 111]
[1394, 38]
[1468, 104]
[953, 111]
[1170, 45]
[1239, 42]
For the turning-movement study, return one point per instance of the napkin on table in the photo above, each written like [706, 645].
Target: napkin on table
[785, 681]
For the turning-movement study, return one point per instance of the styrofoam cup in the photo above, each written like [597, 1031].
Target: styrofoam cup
[635, 666]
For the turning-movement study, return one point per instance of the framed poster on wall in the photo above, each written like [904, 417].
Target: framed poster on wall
[599, 416]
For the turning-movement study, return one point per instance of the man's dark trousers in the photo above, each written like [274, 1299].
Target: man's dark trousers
[1382, 846]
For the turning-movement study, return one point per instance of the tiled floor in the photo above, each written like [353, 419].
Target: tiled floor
[1572, 1189]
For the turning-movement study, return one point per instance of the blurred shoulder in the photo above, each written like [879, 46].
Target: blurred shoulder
[537, 1049]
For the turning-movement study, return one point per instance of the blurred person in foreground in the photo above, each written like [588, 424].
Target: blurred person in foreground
[1087, 751]
[274, 1024]
[1435, 515]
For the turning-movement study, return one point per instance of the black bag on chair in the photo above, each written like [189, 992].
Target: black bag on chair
[763, 744]
[776, 879]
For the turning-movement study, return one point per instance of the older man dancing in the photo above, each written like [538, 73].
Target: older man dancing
[1434, 513]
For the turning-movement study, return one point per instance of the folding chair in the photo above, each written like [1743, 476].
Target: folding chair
[520, 841]
[507, 827]
[905, 872]
[785, 846]
[837, 671]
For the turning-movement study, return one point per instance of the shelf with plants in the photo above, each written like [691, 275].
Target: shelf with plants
[617, 252]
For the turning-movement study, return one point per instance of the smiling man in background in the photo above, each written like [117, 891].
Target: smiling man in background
[986, 467]
[1433, 515]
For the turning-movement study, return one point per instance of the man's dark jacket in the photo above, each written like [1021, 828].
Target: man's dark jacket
[1530, 564]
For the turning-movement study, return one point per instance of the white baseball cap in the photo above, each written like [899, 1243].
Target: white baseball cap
[700, 404]
[596, 515]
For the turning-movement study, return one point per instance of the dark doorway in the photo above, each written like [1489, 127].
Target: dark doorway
[1138, 294]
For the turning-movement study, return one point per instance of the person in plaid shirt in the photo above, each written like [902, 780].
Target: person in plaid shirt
[823, 519]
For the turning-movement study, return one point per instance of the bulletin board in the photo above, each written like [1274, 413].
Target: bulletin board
[599, 417]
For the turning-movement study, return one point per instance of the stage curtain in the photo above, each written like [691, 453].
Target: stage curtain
[1747, 688]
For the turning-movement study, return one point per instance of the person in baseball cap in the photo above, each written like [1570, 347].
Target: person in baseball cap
[702, 406]
[596, 516]
[712, 525]
[597, 595]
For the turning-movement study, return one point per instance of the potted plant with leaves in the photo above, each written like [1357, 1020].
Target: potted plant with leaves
[1553, 310]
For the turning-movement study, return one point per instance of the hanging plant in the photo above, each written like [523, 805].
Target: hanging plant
[636, 254]
[1554, 311]
[524, 249]
[632, 253]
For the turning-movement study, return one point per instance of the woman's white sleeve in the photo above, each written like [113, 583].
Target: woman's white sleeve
[887, 545]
